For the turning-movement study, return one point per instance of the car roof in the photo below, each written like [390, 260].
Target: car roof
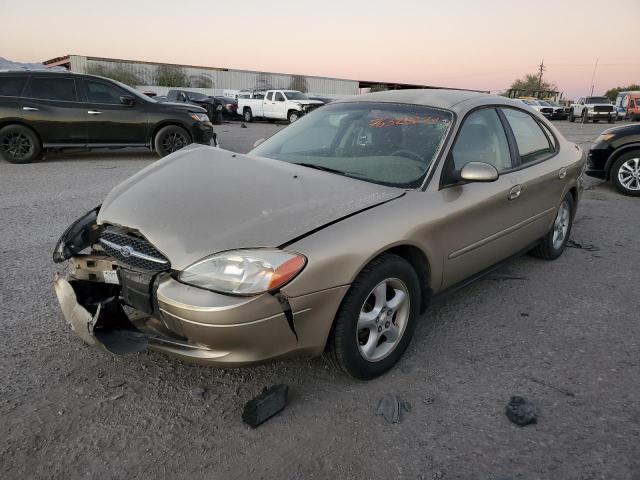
[449, 99]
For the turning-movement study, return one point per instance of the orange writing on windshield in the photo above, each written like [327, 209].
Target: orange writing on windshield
[394, 122]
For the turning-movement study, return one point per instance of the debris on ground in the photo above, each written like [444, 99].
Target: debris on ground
[521, 412]
[582, 246]
[243, 125]
[272, 400]
[198, 392]
[562, 390]
[390, 407]
[117, 396]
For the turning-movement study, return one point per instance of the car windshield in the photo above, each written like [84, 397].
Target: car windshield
[528, 102]
[597, 100]
[295, 96]
[197, 96]
[385, 143]
[134, 92]
[543, 103]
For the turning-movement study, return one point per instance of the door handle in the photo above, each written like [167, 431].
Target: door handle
[562, 173]
[94, 112]
[515, 192]
[30, 109]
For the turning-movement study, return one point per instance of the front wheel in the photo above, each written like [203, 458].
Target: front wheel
[171, 139]
[293, 116]
[585, 116]
[377, 318]
[19, 144]
[625, 173]
[247, 115]
[571, 117]
[554, 242]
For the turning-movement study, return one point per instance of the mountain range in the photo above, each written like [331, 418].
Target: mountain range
[9, 65]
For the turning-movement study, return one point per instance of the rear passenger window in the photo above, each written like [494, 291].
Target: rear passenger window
[12, 86]
[533, 143]
[481, 139]
[49, 88]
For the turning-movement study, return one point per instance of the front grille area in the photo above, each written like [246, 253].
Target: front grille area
[603, 108]
[133, 251]
[546, 110]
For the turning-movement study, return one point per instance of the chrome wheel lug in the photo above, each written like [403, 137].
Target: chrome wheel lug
[386, 325]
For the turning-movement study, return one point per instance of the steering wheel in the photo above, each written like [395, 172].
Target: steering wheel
[408, 154]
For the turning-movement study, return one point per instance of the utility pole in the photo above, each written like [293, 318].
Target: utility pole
[541, 69]
[593, 77]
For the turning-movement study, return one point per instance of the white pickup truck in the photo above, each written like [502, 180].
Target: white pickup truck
[275, 105]
[593, 108]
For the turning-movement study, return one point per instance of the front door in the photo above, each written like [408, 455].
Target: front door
[269, 105]
[484, 226]
[280, 106]
[109, 120]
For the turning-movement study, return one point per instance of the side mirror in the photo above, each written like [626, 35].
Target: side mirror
[127, 100]
[479, 172]
[258, 142]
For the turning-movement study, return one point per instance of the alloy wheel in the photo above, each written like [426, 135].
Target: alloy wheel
[173, 142]
[17, 145]
[383, 319]
[561, 225]
[629, 174]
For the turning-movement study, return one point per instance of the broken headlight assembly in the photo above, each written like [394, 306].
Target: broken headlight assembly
[244, 272]
[79, 235]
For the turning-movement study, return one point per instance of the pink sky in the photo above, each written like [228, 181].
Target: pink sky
[455, 43]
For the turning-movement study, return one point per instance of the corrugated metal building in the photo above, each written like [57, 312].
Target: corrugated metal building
[161, 77]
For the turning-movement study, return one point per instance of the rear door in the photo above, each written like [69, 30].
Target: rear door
[52, 107]
[483, 225]
[540, 172]
[109, 120]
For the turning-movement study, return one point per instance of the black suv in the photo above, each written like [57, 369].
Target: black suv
[212, 105]
[54, 110]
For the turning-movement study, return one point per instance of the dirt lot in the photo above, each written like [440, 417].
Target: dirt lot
[565, 334]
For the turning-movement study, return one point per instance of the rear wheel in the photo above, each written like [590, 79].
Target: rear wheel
[19, 144]
[377, 318]
[171, 139]
[625, 173]
[247, 115]
[554, 242]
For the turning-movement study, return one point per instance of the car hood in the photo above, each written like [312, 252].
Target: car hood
[187, 107]
[308, 102]
[203, 200]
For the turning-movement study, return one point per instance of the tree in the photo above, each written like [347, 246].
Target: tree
[531, 83]
[118, 74]
[612, 93]
[170, 76]
[299, 83]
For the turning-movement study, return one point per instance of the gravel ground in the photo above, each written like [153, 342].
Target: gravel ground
[565, 334]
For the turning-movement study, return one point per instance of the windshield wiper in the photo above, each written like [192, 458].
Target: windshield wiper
[320, 167]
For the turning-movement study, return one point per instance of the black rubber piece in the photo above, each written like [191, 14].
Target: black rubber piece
[261, 408]
[521, 412]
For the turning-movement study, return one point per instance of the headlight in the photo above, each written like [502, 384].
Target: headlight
[244, 272]
[605, 137]
[199, 117]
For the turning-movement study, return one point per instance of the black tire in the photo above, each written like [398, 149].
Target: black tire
[343, 350]
[19, 144]
[585, 116]
[571, 117]
[596, 120]
[612, 119]
[293, 116]
[634, 191]
[171, 139]
[546, 249]
[247, 115]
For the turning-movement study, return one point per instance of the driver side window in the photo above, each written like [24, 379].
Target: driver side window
[481, 139]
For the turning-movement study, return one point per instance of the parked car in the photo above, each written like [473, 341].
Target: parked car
[276, 105]
[332, 235]
[212, 105]
[42, 110]
[593, 108]
[229, 107]
[324, 100]
[559, 112]
[615, 156]
[628, 105]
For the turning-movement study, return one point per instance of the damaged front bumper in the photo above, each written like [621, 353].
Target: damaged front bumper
[194, 324]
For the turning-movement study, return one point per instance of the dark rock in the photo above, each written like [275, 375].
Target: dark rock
[521, 412]
[272, 400]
